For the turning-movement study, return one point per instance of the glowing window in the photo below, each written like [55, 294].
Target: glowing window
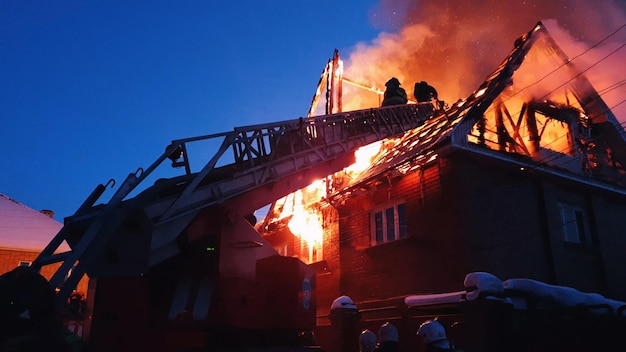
[388, 223]
[283, 250]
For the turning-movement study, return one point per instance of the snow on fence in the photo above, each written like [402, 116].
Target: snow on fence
[521, 293]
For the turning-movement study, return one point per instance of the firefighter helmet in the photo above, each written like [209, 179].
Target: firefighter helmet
[344, 302]
[367, 341]
[432, 331]
[393, 82]
[387, 333]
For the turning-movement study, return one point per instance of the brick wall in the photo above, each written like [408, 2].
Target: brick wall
[504, 221]
[425, 262]
[327, 278]
[514, 229]
[610, 219]
[10, 259]
[467, 215]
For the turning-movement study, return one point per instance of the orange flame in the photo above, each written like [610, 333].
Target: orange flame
[339, 69]
[305, 221]
[305, 224]
[363, 158]
[439, 54]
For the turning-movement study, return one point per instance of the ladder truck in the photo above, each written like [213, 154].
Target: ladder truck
[179, 266]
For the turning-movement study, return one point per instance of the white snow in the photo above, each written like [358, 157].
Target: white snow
[436, 298]
[520, 292]
[343, 302]
[483, 283]
[552, 296]
[24, 228]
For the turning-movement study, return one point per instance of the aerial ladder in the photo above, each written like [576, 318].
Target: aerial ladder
[270, 161]
[129, 235]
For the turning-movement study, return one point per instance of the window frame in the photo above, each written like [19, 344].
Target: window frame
[381, 230]
[575, 224]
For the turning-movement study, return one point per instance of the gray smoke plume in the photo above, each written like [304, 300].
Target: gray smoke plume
[454, 45]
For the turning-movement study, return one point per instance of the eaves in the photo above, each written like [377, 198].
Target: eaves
[548, 171]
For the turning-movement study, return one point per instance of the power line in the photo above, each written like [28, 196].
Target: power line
[585, 70]
[604, 91]
[570, 61]
[564, 153]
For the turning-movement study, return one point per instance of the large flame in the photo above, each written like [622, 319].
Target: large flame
[305, 220]
[363, 158]
[454, 47]
[305, 223]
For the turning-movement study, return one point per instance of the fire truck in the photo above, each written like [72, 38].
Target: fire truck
[174, 263]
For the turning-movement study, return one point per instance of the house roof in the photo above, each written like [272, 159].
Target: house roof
[24, 228]
[452, 126]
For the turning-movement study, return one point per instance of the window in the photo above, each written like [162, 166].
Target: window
[24, 263]
[308, 252]
[388, 223]
[283, 250]
[575, 224]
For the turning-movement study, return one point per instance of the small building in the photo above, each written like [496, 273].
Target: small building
[524, 178]
[24, 233]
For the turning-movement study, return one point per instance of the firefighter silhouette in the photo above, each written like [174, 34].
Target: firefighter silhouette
[27, 315]
[394, 94]
[423, 92]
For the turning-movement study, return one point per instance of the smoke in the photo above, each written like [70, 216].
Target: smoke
[454, 45]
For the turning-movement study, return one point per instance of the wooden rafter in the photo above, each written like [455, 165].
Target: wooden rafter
[517, 138]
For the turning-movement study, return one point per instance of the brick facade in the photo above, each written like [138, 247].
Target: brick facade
[467, 214]
[10, 258]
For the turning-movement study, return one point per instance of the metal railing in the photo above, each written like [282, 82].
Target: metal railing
[261, 154]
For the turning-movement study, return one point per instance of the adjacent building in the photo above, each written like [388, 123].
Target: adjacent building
[24, 233]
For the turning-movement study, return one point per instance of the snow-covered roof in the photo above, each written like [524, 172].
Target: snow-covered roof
[22, 227]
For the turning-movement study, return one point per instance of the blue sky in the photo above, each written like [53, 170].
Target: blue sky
[92, 90]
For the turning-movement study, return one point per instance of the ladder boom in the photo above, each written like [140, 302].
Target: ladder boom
[273, 156]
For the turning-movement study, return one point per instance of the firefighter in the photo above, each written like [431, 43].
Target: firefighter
[367, 341]
[387, 338]
[424, 93]
[344, 318]
[434, 336]
[27, 315]
[75, 307]
[394, 94]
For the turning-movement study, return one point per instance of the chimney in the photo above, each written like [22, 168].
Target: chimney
[47, 212]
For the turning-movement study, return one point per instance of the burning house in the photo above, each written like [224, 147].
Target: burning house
[524, 178]
[389, 205]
